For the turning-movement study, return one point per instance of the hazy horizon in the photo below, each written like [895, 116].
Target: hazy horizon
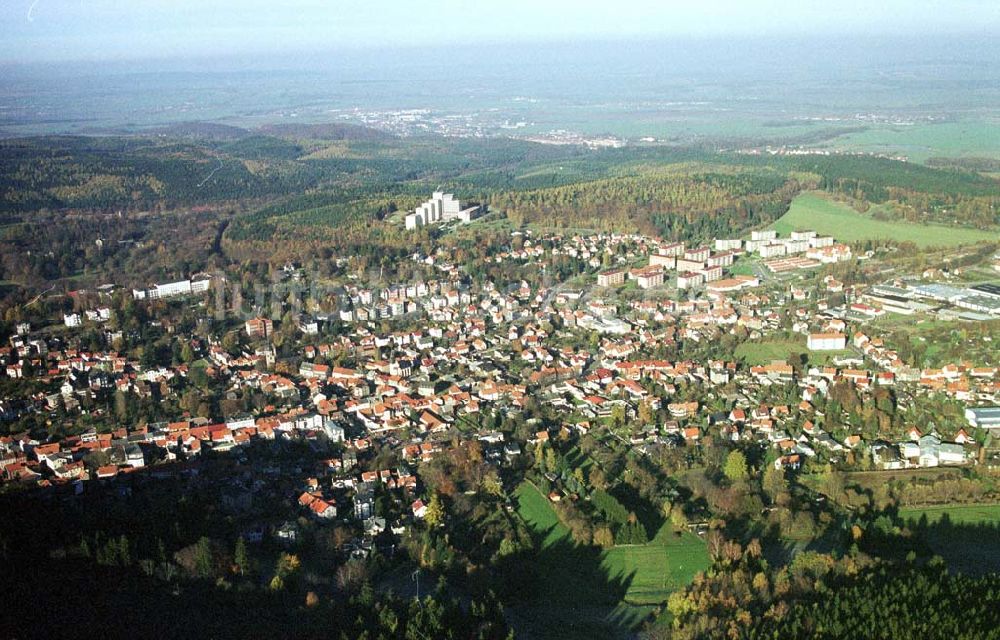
[103, 30]
[687, 87]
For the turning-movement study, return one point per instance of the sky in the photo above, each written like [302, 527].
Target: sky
[95, 30]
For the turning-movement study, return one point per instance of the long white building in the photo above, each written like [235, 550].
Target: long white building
[170, 289]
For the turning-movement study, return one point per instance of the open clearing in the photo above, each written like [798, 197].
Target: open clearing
[667, 563]
[968, 538]
[816, 212]
[767, 351]
[584, 592]
[958, 514]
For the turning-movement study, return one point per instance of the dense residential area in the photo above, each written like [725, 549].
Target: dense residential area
[504, 409]
[597, 353]
[524, 320]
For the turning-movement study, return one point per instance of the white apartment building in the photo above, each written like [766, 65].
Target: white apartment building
[170, 289]
[826, 341]
[442, 207]
[722, 244]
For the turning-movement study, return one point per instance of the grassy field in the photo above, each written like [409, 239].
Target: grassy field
[958, 514]
[584, 592]
[968, 538]
[816, 212]
[666, 564]
[764, 352]
[742, 268]
[915, 325]
[921, 141]
[946, 341]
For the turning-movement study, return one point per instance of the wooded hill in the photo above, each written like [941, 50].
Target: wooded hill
[316, 191]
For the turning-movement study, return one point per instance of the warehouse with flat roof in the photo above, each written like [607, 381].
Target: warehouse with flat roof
[989, 289]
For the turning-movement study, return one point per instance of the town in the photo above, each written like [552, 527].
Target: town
[582, 321]
[471, 363]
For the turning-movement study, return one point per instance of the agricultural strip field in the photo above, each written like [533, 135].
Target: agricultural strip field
[816, 212]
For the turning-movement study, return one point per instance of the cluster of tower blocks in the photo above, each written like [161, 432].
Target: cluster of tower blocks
[442, 207]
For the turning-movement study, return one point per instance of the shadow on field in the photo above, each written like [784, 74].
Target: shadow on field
[972, 549]
[569, 593]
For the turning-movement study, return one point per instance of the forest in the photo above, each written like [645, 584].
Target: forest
[820, 596]
[133, 209]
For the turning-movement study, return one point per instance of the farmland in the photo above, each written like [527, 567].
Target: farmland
[921, 141]
[588, 593]
[817, 212]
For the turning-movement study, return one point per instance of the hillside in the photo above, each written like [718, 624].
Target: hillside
[818, 212]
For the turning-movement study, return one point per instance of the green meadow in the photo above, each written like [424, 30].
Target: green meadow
[767, 351]
[584, 592]
[814, 211]
[918, 142]
[967, 537]
[957, 514]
